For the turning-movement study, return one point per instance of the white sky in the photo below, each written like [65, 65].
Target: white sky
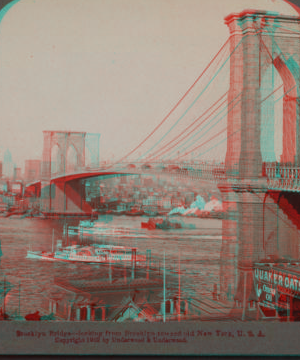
[115, 67]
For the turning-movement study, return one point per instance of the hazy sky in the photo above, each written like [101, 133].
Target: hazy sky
[115, 67]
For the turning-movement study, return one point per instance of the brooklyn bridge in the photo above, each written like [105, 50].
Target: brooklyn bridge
[246, 101]
[259, 183]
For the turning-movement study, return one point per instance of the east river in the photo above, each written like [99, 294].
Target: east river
[196, 252]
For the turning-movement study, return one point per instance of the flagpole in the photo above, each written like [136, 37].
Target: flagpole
[4, 300]
[52, 239]
[19, 295]
[179, 285]
[67, 235]
[164, 309]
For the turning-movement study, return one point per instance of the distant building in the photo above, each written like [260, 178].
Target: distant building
[164, 202]
[17, 173]
[176, 202]
[137, 181]
[16, 188]
[123, 180]
[189, 198]
[151, 200]
[148, 182]
[0, 169]
[3, 186]
[8, 166]
[32, 170]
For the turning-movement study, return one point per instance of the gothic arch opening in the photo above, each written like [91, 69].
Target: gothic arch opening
[56, 159]
[88, 156]
[289, 122]
[71, 159]
[271, 115]
[278, 112]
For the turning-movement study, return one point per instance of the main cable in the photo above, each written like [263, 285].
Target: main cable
[177, 104]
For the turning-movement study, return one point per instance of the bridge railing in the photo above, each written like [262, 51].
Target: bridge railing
[209, 171]
[281, 176]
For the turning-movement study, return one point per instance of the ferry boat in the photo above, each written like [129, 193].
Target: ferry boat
[94, 253]
[87, 223]
[103, 229]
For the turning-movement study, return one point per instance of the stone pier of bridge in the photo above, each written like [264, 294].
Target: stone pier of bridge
[259, 226]
[64, 197]
[242, 231]
[68, 197]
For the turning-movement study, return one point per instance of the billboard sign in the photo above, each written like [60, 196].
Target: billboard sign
[275, 285]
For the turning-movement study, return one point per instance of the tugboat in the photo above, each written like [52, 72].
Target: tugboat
[160, 223]
[118, 212]
[151, 224]
[135, 211]
[166, 225]
[150, 211]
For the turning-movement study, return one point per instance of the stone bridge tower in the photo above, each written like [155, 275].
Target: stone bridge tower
[258, 41]
[64, 141]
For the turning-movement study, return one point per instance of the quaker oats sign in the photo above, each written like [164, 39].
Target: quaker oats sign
[277, 289]
[149, 177]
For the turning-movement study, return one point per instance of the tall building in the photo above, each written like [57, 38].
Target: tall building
[32, 170]
[8, 165]
[17, 173]
[0, 169]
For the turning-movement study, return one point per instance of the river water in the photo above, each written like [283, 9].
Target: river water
[195, 251]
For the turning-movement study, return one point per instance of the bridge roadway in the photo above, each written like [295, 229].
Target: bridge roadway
[278, 177]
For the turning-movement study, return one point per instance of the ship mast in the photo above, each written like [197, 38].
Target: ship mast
[52, 239]
[4, 299]
[19, 295]
[164, 287]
